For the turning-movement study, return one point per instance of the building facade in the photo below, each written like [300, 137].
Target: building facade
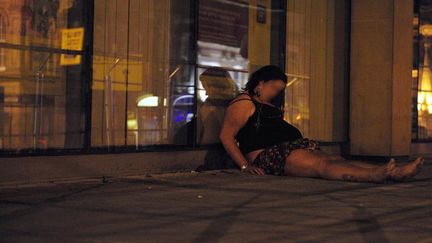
[129, 87]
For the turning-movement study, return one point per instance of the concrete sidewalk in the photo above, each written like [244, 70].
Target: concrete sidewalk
[222, 205]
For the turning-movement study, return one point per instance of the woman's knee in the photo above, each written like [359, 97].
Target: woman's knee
[304, 163]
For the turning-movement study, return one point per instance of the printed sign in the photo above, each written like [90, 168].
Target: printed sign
[71, 39]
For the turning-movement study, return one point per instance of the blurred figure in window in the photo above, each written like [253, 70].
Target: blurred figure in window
[220, 89]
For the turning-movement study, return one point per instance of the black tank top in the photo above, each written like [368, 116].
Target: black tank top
[265, 127]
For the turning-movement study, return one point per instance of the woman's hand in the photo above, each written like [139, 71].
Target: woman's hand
[254, 170]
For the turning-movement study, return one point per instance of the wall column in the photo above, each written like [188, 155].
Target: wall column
[380, 76]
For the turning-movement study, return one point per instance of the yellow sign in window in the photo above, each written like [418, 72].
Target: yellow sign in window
[71, 39]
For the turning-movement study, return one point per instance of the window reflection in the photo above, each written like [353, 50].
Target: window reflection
[143, 73]
[422, 80]
[234, 38]
[153, 82]
[222, 35]
[219, 89]
[317, 68]
[298, 63]
[42, 100]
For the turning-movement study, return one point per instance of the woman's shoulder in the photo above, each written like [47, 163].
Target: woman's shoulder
[241, 96]
[242, 104]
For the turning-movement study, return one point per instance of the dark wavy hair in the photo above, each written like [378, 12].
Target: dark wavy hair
[267, 73]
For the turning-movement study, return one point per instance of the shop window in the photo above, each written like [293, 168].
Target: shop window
[42, 92]
[422, 76]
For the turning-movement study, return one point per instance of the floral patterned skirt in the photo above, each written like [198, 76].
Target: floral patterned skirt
[272, 158]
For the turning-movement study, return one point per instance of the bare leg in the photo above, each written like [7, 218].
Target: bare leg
[362, 164]
[399, 173]
[338, 157]
[301, 162]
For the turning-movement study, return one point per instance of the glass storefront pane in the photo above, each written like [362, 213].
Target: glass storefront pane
[146, 73]
[151, 60]
[317, 64]
[222, 62]
[298, 63]
[223, 33]
[143, 73]
[216, 88]
[235, 37]
[422, 83]
[42, 103]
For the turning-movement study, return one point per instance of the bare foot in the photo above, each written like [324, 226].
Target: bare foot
[379, 174]
[384, 172]
[406, 171]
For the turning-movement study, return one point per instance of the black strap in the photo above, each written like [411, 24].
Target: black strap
[246, 93]
[237, 100]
